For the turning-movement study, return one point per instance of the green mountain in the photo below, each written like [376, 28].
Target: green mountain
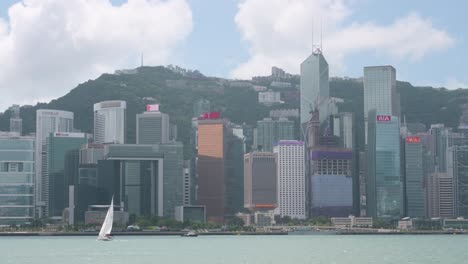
[176, 92]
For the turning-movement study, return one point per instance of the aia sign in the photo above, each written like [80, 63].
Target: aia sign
[384, 118]
[413, 140]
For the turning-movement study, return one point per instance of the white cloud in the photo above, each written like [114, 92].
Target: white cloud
[453, 84]
[47, 47]
[279, 33]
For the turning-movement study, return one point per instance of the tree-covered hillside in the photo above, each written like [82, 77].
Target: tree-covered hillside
[176, 94]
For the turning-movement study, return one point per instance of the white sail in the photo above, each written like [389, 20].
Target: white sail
[107, 225]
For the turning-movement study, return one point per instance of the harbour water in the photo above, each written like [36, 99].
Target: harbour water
[316, 249]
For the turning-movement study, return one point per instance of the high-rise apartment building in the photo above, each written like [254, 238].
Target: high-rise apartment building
[16, 123]
[269, 132]
[331, 182]
[384, 187]
[291, 178]
[380, 93]
[16, 179]
[47, 121]
[315, 89]
[152, 127]
[58, 145]
[110, 122]
[260, 181]
[414, 177]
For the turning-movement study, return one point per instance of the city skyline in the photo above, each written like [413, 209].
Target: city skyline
[242, 49]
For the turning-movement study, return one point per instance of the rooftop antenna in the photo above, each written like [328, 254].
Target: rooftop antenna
[321, 39]
[312, 35]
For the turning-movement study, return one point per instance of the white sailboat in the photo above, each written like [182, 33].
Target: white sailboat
[104, 233]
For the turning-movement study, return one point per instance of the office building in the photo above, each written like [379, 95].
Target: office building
[58, 145]
[384, 188]
[414, 177]
[331, 182]
[270, 131]
[152, 126]
[47, 122]
[16, 123]
[144, 179]
[260, 181]
[457, 167]
[219, 168]
[315, 90]
[440, 135]
[190, 213]
[440, 195]
[380, 93]
[16, 179]
[290, 169]
[110, 122]
[343, 127]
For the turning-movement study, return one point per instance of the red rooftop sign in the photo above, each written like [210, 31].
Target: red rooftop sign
[152, 108]
[413, 140]
[384, 118]
[211, 115]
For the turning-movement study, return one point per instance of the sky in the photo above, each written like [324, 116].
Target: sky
[47, 47]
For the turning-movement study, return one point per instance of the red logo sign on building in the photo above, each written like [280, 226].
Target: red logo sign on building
[384, 118]
[152, 108]
[413, 140]
[211, 115]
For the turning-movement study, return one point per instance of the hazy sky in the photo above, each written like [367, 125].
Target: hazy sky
[47, 47]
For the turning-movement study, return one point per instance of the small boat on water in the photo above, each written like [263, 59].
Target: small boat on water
[189, 234]
[105, 232]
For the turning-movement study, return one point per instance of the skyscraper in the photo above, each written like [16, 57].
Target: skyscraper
[270, 131]
[47, 121]
[384, 182]
[109, 122]
[344, 128]
[315, 90]
[331, 182]
[440, 136]
[291, 178]
[58, 145]
[260, 181]
[414, 177]
[152, 127]
[16, 179]
[457, 167]
[440, 195]
[211, 167]
[380, 92]
[16, 123]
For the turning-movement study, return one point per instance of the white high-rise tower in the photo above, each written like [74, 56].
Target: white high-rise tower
[47, 121]
[109, 122]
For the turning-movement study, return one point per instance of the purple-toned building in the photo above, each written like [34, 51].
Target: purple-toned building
[331, 182]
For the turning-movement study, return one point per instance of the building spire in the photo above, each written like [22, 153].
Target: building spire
[142, 59]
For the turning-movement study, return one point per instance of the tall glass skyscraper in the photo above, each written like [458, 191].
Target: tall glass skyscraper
[315, 89]
[109, 122]
[414, 177]
[269, 132]
[384, 181]
[16, 179]
[47, 121]
[380, 92]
